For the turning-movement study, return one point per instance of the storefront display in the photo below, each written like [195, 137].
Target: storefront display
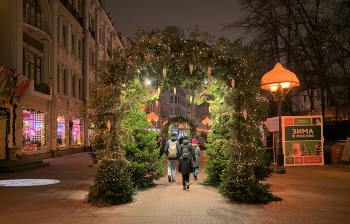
[34, 130]
[76, 131]
[61, 131]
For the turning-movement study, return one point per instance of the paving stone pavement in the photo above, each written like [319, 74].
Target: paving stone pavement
[311, 194]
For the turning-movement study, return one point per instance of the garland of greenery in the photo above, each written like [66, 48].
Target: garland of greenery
[4, 112]
[166, 129]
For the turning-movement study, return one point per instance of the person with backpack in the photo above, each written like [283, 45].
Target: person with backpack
[197, 153]
[172, 148]
[185, 168]
[187, 144]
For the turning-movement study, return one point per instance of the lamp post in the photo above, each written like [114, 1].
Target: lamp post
[279, 81]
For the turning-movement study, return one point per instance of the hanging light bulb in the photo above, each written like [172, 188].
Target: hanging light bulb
[164, 72]
[191, 68]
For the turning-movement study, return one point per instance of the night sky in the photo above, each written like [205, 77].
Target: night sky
[209, 15]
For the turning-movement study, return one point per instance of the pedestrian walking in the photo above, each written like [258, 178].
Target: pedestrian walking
[185, 168]
[161, 146]
[187, 144]
[197, 154]
[172, 148]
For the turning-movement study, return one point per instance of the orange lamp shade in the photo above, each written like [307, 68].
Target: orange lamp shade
[279, 76]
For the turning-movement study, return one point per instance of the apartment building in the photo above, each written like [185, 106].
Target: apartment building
[56, 42]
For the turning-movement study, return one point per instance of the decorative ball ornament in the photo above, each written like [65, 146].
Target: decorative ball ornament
[174, 90]
[164, 72]
[109, 125]
[209, 71]
[191, 68]
[244, 114]
[233, 83]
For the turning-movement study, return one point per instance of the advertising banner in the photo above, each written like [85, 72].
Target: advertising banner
[302, 140]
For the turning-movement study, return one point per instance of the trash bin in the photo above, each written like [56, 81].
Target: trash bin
[327, 156]
[337, 151]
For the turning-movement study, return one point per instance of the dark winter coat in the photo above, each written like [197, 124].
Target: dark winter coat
[186, 144]
[185, 164]
[172, 138]
[197, 154]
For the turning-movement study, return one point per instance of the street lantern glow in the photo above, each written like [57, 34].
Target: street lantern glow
[279, 81]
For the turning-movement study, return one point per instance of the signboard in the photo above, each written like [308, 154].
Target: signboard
[302, 140]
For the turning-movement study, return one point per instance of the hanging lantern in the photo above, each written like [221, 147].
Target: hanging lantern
[191, 68]
[164, 72]
[109, 125]
[191, 98]
[156, 102]
[158, 90]
[209, 71]
[233, 83]
[175, 90]
[209, 109]
[244, 114]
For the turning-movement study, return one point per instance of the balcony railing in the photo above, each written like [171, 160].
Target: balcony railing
[42, 87]
[36, 21]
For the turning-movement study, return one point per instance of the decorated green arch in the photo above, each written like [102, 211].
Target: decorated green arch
[220, 72]
[188, 123]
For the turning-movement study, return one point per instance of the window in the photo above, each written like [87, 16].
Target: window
[175, 111]
[65, 82]
[304, 99]
[62, 131]
[171, 99]
[80, 89]
[171, 111]
[73, 86]
[74, 44]
[64, 36]
[80, 49]
[32, 11]
[175, 99]
[76, 131]
[58, 78]
[58, 30]
[32, 66]
[34, 130]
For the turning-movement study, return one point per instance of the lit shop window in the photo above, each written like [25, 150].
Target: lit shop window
[34, 130]
[76, 131]
[61, 131]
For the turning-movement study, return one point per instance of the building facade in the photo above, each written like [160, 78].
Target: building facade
[57, 42]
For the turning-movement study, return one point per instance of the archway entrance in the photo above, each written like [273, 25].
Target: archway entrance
[211, 73]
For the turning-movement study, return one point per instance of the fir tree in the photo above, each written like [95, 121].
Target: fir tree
[111, 183]
[141, 149]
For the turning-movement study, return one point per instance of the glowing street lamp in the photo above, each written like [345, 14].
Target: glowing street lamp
[152, 117]
[206, 121]
[279, 81]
